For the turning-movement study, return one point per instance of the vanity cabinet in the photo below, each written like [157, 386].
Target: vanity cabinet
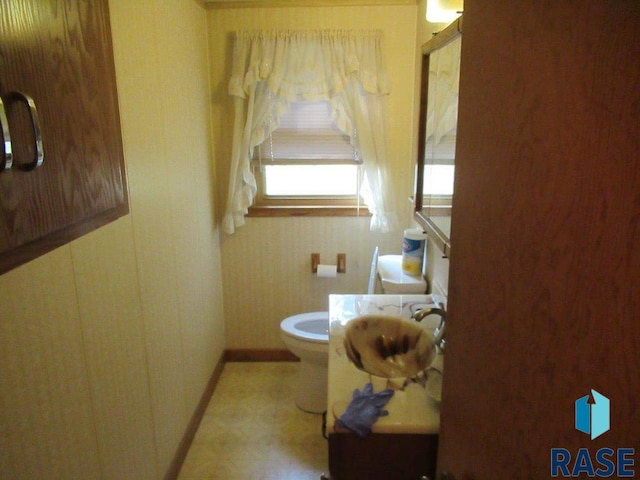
[402, 444]
[57, 84]
[382, 456]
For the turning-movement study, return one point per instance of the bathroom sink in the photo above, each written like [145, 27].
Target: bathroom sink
[389, 347]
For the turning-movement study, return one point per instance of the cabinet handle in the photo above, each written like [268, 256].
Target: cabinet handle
[324, 425]
[7, 159]
[33, 111]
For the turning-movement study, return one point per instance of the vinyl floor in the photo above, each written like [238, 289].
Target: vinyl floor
[252, 429]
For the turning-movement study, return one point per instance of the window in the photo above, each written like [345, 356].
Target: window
[439, 172]
[439, 160]
[441, 128]
[307, 162]
[272, 67]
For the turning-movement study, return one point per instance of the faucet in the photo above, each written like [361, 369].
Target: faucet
[439, 332]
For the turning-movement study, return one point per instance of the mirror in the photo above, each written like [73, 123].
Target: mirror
[437, 134]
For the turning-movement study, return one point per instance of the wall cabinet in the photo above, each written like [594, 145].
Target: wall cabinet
[544, 297]
[57, 79]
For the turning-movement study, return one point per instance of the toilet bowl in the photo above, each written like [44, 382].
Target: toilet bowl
[306, 335]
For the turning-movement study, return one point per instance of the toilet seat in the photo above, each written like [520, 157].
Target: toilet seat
[306, 326]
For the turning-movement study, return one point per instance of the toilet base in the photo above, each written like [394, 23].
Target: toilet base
[311, 387]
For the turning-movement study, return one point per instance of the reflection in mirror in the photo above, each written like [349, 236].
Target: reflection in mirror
[437, 139]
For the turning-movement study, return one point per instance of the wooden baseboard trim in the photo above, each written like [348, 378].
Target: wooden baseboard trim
[259, 355]
[194, 423]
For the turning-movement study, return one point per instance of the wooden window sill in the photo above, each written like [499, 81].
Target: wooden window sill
[308, 211]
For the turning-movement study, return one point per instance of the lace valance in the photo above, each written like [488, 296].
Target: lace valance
[308, 65]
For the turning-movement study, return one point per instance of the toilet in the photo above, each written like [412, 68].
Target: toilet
[306, 335]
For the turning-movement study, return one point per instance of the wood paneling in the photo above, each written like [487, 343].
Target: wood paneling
[114, 350]
[107, 343]
[46, 416]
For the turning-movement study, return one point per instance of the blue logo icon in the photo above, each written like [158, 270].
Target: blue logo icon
[593, 418]
[593, 414]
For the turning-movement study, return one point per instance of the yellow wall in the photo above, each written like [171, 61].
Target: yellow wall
[266, 263]
[106, 344]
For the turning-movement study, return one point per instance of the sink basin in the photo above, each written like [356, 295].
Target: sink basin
[388, 347]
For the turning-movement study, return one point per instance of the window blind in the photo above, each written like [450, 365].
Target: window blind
[442, 153]
[306, 135]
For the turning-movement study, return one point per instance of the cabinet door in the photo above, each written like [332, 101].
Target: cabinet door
[382, 456]
[58, 53]
[544, 297]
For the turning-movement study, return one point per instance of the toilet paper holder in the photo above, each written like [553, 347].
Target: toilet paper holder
[341, 262]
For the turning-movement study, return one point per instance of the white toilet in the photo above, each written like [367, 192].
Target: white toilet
[306, 335]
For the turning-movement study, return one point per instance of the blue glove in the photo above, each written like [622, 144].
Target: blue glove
[364, 410]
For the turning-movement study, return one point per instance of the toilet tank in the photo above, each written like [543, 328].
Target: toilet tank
[395, 281]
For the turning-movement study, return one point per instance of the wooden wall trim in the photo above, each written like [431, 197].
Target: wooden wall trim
[232, 355]
[194, 423]
[259, 355]
[217, 4]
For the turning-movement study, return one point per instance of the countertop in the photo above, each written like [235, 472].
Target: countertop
[411, 410]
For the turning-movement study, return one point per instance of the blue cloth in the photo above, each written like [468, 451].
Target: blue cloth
[364, 410]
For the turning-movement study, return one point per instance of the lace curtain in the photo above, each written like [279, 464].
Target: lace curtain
[272, 69]
[444, 82]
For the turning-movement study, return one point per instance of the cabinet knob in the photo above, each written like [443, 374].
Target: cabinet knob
[7, 156]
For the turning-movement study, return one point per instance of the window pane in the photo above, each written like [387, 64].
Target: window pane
[438, 179]
[311, 180]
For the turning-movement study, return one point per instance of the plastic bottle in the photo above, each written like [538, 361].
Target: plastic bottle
[413, 244]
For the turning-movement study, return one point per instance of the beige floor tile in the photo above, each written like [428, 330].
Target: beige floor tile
[253, 430]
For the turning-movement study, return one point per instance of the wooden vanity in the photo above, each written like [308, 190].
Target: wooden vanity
[402, 444]
[383, 456]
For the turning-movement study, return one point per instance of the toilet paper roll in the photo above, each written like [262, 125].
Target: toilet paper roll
[327, 271]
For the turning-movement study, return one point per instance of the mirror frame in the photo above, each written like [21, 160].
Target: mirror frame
[422, 212]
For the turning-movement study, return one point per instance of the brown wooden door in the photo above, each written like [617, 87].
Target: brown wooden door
[59, 53]
[544, 292]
